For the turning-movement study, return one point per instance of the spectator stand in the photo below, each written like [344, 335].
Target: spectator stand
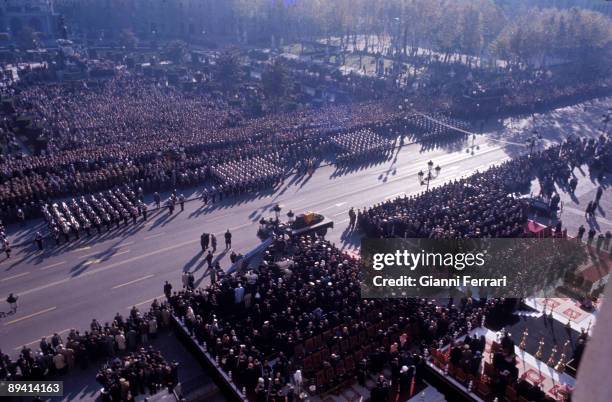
[347, 343]
[556, 385]
[221, 379]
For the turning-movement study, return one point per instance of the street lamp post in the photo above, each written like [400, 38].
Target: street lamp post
[606, 120]
[533, 140]
[432, 173]
[471, 149]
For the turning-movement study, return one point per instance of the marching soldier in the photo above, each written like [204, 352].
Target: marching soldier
[39, 240]
[181, 199]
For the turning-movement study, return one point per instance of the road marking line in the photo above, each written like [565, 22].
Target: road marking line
[90, 254]
[134, 281]
[129, 243]
[152, 236]
[81, 249]
[8, 278]
[38, 340]
[109, 266]
[408, 172]
[53, 265]
[92, 261]
[31, 315]
[340, 204]
[121, 252]
[340, 213]
[395, 195]
[146, 301]
[239, 227]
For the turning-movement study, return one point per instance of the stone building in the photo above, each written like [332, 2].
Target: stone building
[162, 18]
[39, 15]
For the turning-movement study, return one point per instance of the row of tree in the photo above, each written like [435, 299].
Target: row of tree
[394, 27]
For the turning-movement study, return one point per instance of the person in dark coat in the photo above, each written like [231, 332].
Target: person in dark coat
[405, 382]
[39, 240]
[228, 239]
[204, 241]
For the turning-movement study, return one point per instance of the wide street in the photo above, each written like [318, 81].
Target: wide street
[65, 287]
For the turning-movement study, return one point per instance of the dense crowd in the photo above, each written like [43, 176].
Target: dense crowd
[436, 128]
[248, 174]
[137, 373]
[362, 144]
[486, 204]
[139, 131]
[84, 214]
[302, 309]
[124, 338]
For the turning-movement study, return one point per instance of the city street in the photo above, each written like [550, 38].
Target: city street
[65, 287]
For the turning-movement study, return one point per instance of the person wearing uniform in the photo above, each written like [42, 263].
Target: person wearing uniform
[181, 199]
[39, 240]
[7, 248]
[56, 235]
[21, 216]
[12, 301]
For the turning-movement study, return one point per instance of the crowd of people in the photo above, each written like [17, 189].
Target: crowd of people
[239, 176]
[124, 338]
[436, 128]
[86, 213]
[302, 309]
[486, 204]
[137, 373]
[363, 144]
[136, 130]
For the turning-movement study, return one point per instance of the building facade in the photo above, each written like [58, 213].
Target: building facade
[38, 15]
[162, 18]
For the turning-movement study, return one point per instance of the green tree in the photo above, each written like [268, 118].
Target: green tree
[274, 80]
[128, 39]
[26, 38]
[228, 69]
[176, 50]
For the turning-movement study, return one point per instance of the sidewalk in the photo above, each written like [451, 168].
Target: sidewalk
[574, 205]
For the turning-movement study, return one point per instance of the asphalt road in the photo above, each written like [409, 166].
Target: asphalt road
[65, 287]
